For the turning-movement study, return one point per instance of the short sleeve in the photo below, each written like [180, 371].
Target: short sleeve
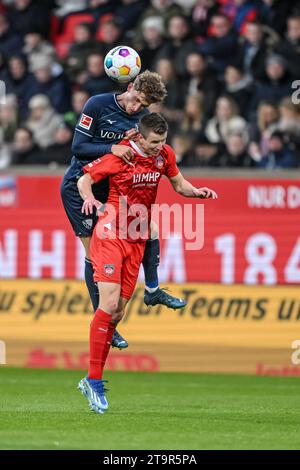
[171, 167]
[103, 167]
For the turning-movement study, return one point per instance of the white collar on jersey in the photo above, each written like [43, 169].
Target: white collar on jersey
[137, 149]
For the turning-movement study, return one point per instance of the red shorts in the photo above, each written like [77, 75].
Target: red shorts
[117, 261]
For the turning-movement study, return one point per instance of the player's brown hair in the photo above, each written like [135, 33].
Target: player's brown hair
[151, 84]
[154, 122]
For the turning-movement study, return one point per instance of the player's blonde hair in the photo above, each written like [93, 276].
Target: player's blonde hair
[151, 84]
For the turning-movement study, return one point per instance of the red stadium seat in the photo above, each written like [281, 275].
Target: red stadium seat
[66, 38]
[54, 28]
[102, 20]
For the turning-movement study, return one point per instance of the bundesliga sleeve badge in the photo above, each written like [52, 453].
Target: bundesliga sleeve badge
[85, 121]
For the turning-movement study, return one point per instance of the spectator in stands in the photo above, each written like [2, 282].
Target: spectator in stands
[239, 87]
[278, 83]
[174, 101]
[8, 126]
[25, 149]
[201, 78]
[2, 66]
[84, 44]
[11, 42]
[152, 41]
[100, 8]
[252, 51]
[290, 46]
[275, 13]
[37, 49]
[165, 9]
[56, 88]
[192, 120]
[241, 12]
[60, 151]
[289, 123]
[128, 13]
[179, 42]
[71, 6]
[202, 13]
[279, 155]
[267, 119]
[205, 56]
[5, 152]
[235, 154]
[221, 46]
[96, 80]
[225, 121]
[25, 15]
[183, 148]
[9, 118]
[43, 121]
[20, 83]
[111, 35]
[205, 152]
[79, 98]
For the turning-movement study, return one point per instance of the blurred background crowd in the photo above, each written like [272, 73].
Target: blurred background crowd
[231, 68]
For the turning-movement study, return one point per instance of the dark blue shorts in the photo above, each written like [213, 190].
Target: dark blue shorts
[82, 224]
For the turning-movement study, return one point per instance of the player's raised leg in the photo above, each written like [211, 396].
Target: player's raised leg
[153, 294]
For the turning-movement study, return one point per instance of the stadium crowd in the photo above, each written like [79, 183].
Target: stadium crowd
[230, 67]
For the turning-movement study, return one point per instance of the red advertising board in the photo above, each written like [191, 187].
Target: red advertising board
[251, 234]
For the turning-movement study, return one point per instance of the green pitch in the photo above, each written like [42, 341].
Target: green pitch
[41, 409]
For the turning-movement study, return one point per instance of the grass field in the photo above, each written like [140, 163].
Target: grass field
[41, 409]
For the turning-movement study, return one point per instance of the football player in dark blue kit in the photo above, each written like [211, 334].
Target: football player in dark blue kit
[106, 119]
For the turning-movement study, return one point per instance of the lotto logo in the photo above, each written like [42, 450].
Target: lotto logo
[86, 121]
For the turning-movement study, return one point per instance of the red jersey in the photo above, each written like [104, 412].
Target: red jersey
[133, 187]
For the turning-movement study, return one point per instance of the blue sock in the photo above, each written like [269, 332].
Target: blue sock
[151, 263]
[91, 285]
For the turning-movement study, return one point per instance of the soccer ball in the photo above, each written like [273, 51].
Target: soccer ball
[122, 64]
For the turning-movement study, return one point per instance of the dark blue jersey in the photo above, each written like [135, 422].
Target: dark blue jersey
[103, 123]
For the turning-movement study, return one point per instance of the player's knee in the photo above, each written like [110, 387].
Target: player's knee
[117, 316]
[153, 230]
[111, 307]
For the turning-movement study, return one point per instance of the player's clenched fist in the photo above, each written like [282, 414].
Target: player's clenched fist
[131, 134]
[89, 204]
[124, 152]
[206, 193]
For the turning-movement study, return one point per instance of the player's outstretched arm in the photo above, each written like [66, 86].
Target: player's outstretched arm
[183, 187]
[84, 185]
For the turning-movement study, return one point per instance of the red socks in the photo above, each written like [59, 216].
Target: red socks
[101, 332]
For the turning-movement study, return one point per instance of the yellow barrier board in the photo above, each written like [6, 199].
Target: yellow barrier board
[240, 329]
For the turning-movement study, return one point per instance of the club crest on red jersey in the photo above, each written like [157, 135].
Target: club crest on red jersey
[109, 269]
[159, 162]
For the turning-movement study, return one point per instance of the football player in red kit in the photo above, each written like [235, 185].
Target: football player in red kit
[117, 247]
